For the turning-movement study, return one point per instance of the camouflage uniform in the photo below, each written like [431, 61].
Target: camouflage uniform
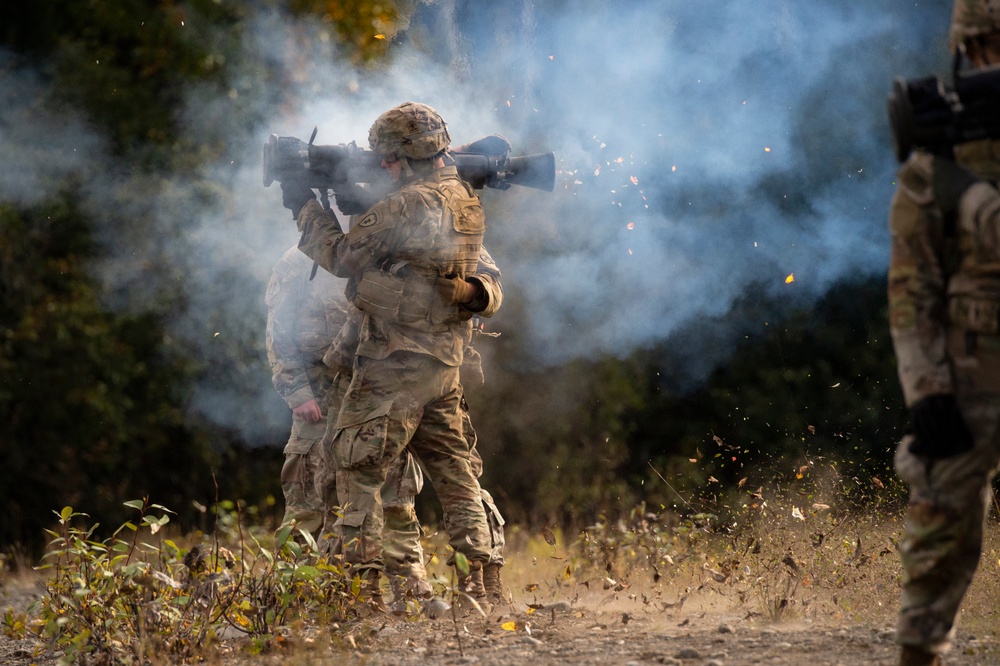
[302, 318]
[405, 390]
[944, 316]
[944, 310]
[401, 534]
[471, 372]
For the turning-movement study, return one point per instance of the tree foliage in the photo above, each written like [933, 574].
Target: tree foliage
[96, 400]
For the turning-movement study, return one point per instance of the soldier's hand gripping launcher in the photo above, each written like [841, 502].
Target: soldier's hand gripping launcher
[338, 166]
[926, 113]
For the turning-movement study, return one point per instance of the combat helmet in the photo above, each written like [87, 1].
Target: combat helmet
[971, 19]
[411, 130]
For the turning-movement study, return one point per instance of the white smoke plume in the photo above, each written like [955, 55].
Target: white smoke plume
[707, 153]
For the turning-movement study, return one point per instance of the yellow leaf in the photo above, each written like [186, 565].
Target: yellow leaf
[508, 626]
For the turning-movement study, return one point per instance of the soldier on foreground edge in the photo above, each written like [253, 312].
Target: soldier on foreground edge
[944, 302]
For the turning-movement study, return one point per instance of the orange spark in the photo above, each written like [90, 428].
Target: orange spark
[635, 181]
[766, 149]
[630, 226]
[790, 279]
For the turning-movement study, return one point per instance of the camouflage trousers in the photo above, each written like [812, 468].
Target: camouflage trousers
[401, 534]
[406, 401]
[302, 459]
[948, 503]
[493, 516]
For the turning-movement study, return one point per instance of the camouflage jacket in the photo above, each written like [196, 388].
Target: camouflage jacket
[944, 276]
[303, 316]
[340, 357]
[428, 228]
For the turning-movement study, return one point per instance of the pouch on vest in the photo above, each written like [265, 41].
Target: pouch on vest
[468, 216]
[380, 293]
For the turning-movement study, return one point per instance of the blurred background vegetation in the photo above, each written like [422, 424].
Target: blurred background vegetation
[95, 398]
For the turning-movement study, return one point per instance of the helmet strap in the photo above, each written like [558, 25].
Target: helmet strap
[405, 167]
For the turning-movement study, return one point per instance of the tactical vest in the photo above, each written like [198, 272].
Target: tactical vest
[402, 288]
[974, 264]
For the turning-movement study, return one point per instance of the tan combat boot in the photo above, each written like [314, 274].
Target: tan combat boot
[471, 587]
[492, 582]
[914, 656]
[412, 595]
[472, 584]
[371, 593]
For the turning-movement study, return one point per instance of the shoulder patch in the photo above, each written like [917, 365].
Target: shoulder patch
[486, 259]
[282, 268]
[369, 220]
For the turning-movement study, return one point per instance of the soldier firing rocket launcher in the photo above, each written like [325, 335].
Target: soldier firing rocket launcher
[338, 167]
[925, 113]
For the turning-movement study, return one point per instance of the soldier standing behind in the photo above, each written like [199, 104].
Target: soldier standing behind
[424, 242]
[302, 318]
[305, 314]
[944, 311]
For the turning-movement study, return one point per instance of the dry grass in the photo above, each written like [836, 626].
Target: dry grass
[774, 561]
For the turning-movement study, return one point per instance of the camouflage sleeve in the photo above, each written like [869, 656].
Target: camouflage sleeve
[348, 255]
[917, 286]
[285, 293]
[487, 275]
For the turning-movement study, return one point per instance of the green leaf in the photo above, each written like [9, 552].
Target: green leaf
[306, 572]
[171, 548]
[135, 504]
[461, 564]
[281, 537]
[66, 514]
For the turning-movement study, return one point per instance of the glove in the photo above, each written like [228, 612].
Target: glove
[494, 145]
[939, 431]
[294, 195]
[456, 290]
[949, 182]
[354, 199]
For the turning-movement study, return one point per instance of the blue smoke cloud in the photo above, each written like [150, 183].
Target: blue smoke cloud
[706, 152]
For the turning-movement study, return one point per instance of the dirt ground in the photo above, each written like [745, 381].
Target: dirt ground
[826, 609]
[579, 626]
